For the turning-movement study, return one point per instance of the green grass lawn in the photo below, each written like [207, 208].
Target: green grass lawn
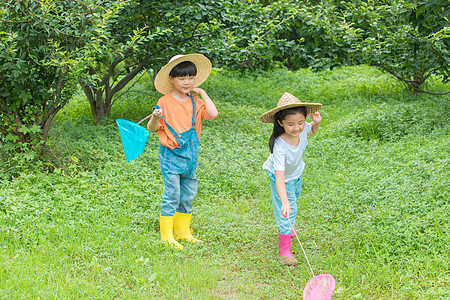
[374, 210]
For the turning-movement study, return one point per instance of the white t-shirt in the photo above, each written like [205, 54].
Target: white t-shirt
[288, 158]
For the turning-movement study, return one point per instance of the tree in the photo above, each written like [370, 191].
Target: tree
[44, 45]
[408, 39]
[159, 30]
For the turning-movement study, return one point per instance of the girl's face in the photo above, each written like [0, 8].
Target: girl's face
[183, 84]
[293, 124]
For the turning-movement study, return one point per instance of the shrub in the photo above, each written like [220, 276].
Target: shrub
[394, 121]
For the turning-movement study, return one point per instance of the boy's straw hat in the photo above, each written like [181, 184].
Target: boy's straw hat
[203, 64]
[288, 101]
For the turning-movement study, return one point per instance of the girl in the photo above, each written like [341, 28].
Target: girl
[285, 164]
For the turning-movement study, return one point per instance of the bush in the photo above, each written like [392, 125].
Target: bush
[394, 121]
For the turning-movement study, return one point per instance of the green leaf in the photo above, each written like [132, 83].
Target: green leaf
[12, 137]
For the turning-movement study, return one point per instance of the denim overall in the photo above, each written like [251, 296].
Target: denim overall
[178, 168]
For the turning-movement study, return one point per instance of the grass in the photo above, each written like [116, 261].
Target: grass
[374, 210]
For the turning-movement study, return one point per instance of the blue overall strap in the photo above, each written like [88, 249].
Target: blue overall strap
[172, 131]
[193, 110]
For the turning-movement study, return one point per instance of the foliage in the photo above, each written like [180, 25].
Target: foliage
[419, 47]
[408, 39]
[44, 45]
[405, 119]
[374, 209]
[249, 39]
[159, 30]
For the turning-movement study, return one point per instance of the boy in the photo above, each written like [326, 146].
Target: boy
[177, 119]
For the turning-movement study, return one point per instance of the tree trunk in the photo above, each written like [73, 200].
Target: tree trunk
[100, 97]
[99, 110]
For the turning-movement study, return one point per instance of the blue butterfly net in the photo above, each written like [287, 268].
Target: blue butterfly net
[134, 137]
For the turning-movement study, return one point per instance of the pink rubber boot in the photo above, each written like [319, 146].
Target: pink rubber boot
[284, 248]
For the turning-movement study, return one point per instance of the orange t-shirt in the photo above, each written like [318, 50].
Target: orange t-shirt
[178, 114]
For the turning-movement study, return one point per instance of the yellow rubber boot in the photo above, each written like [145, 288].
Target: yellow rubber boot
[182, 227]
[166, 229]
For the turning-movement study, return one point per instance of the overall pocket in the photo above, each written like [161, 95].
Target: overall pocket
[171, 161]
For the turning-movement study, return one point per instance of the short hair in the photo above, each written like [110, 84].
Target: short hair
[185, 68]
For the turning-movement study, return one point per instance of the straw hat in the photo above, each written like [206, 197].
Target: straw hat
[288, 101]
[203, 64]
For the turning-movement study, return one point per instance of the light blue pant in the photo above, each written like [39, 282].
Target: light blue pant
[293, 189]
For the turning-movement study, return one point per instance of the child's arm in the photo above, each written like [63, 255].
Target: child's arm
[316, 119]
[210, 107]
[281, 190]
[152, 125]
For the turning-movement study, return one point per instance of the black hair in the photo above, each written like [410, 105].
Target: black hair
[185, 68]
[280, 116]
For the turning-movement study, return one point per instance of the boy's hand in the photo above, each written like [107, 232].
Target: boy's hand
[158, 113]
[195, 91]
[210, 108]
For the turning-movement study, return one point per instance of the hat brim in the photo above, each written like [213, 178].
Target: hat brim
[203, 64]
[269, 116]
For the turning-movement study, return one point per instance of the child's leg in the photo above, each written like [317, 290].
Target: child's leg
[171, 194]
[171, 178]
[183, 215]
[170, 198]
[188, 191]
[293, 189]
[282, 223]
[285, 230]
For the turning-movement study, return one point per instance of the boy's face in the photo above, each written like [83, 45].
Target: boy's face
[182, 84]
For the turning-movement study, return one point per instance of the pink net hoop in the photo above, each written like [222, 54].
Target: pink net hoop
[320, 287]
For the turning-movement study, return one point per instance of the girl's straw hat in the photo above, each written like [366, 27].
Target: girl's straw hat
[203, 64]
[288, 101]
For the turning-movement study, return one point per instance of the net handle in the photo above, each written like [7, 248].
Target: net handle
[304, 253]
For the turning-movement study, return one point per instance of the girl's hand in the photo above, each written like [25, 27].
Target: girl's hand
[315, 117]
[158, 113]
[286, 210]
